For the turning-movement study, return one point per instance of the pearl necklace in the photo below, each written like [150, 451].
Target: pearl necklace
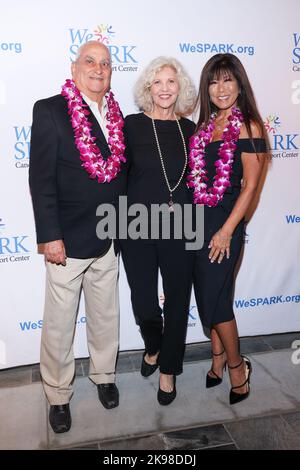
[171, 190]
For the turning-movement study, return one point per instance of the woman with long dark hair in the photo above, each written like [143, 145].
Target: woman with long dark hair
[226, 160]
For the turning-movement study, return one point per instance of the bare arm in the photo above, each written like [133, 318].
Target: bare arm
[252, 168]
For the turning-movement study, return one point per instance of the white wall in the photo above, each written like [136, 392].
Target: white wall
[36, 46]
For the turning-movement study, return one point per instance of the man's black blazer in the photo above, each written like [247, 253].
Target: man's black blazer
[64, 197]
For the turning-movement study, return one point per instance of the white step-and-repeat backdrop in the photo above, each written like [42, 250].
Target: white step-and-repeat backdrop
[38, 41]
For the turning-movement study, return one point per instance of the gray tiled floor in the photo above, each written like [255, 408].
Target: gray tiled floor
[197, 419]
[281, 341]
[15, 377]
[23, 418]
[293, 419]
[197, 438]
[266, 433]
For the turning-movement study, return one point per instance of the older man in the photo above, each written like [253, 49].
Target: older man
[77, 151]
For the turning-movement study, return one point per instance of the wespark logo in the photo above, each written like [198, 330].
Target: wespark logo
[8, 47]
[263, 301]
[292, 219]
[272, 123]
[104, 33]
[283, 146]
[13, 248]
[296, 52]
[295, 97]
[22, 146]
[193, 314]
[123, 56]
[214, 48]
[29, 325]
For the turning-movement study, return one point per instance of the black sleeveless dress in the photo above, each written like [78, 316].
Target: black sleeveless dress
[213, 282]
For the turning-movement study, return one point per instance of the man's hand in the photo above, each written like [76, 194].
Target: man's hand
[55, 252]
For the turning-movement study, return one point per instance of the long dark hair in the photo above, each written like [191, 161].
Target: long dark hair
[228, 64]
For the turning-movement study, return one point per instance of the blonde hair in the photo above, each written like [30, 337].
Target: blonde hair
[187, 91]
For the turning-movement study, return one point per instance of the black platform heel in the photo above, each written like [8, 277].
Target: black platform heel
[237, 397]
[165, 398]
[214, 381]
[148, 369]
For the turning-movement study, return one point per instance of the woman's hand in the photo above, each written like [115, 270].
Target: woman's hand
[219, 245]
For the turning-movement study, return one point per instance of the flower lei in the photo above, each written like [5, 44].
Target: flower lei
[93, 162]
[198, 174]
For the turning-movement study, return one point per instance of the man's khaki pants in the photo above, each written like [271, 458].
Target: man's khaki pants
[99, 279]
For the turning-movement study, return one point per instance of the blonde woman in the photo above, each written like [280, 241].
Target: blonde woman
[157, 144]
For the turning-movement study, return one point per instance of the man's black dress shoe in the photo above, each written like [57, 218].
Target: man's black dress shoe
[165, 398]
[60, 418]
[147, 369]
[108, 395]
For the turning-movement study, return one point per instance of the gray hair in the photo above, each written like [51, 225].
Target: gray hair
[187, 91]
[83, 46]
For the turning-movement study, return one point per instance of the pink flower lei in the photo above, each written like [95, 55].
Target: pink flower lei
[198, 174]
[93, 162]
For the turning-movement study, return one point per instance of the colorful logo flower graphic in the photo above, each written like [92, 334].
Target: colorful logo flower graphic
[104, 33]
[272, 123]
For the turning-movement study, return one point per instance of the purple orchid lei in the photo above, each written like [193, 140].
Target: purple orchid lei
[198, 174]
[93, 162]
